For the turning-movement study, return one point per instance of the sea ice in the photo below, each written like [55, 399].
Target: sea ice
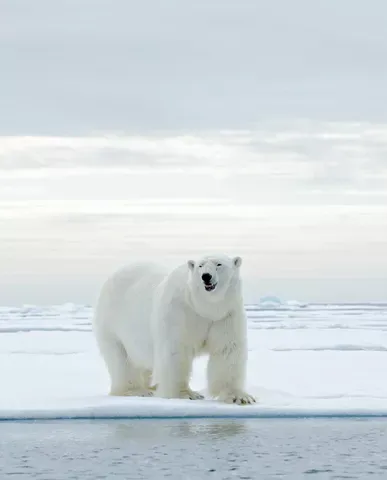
[303, 361]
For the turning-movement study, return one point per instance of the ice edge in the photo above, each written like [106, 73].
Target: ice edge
[262, 414]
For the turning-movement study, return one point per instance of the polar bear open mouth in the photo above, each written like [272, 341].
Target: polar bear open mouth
[210, 287]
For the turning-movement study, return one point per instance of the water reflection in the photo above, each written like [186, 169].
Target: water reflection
[188, 429]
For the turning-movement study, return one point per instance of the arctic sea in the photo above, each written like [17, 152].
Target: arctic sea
[246, 449]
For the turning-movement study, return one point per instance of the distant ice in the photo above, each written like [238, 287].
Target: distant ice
[270, 301]
[296, 303]
[303, 361]
[273, 302]
[343, 348]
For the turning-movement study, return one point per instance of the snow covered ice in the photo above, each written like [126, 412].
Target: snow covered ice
[304, 360]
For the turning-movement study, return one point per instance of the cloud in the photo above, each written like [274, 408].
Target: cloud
[303, 162]
[304, 149]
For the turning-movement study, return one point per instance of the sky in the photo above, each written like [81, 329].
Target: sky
[164, 131]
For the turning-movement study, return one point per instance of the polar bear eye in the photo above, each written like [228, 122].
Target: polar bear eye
[219, 265]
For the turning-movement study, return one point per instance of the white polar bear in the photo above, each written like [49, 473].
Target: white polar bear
[151, 322]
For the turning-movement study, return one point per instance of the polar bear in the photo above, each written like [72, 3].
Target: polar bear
[150, 324]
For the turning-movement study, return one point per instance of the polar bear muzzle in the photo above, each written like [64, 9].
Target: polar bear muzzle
[209, 285]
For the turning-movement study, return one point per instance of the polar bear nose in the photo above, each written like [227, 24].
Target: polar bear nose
[206, 277]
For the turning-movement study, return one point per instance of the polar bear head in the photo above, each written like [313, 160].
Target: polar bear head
[212, 277]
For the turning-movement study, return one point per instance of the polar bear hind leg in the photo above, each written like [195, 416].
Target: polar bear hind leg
[126, 378]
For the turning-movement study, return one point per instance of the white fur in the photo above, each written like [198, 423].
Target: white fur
[151, 322]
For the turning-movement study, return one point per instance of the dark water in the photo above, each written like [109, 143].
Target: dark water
[194, 449]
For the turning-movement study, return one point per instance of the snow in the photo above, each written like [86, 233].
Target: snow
[304, 360]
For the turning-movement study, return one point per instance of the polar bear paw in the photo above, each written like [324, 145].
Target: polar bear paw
[237, 397]
[191, 394]
[140, 392]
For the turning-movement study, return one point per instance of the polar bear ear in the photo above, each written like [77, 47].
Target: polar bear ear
[191, 264]
[237, 261]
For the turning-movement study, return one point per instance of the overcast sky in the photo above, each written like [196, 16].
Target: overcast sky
[164, 130]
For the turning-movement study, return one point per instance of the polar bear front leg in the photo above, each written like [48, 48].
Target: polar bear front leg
[174, 368]
[173, 358]
[226, 377]
[226, 371]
